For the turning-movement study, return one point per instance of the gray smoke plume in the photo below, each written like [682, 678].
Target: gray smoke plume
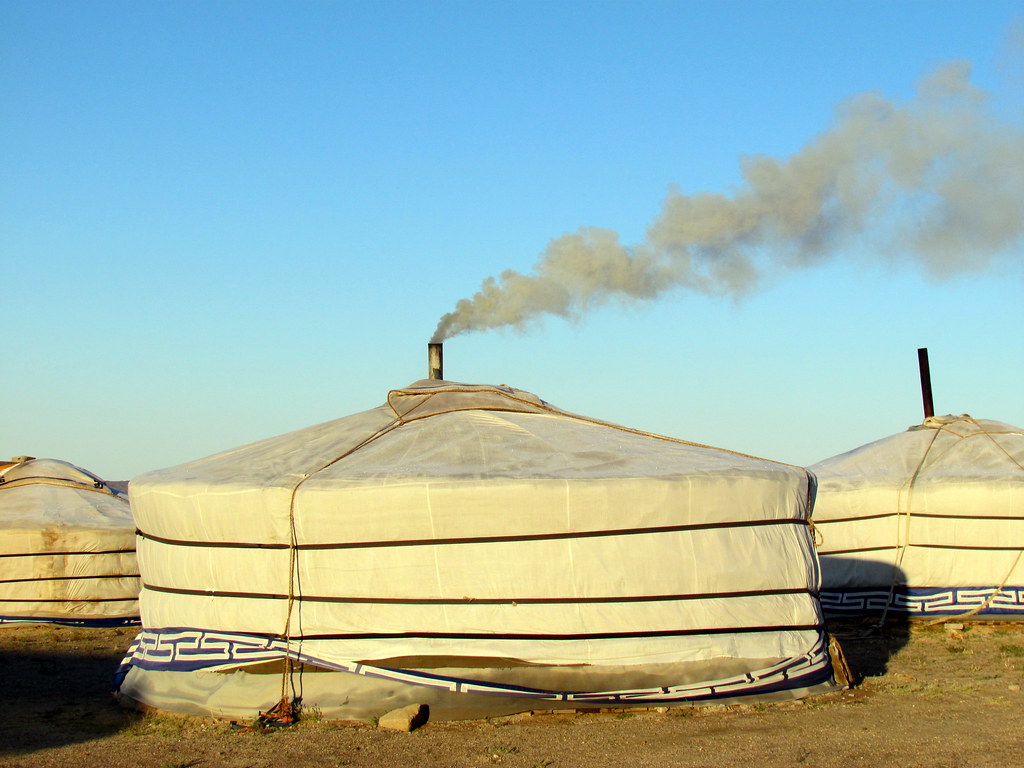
[938, 179]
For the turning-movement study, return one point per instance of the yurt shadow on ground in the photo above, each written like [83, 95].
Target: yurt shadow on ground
[868, 647]
[475, 549]
[926, 523]
[870, 638]
[57, 686]
[67, 547]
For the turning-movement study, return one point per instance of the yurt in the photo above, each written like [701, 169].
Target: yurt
[67, 547]
[926, 522]
[476, 550]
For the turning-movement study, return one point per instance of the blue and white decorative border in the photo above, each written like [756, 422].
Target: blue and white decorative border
[187, 650]
[923, 601]
[66, 621]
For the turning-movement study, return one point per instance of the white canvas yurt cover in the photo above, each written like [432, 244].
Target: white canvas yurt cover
[477, 550]
[925, 522]
[67, 547]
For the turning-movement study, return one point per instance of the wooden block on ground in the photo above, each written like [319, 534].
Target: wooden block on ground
[405, 719]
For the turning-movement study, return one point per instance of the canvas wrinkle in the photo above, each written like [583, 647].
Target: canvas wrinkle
[437, 564]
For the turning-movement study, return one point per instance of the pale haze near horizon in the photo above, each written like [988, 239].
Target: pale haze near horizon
[225, 221]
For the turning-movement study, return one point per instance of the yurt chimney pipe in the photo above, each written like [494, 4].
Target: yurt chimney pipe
[435, 360]
[926, 382]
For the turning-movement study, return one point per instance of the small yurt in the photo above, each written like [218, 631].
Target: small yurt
[67, 547]
[476, 550]
[926, 522]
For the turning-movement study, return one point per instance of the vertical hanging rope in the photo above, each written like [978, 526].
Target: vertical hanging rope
[898, 562]
[902, 549]
[285, 707]
[293, 551]
[1016, 561]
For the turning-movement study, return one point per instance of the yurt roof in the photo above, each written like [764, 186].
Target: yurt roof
[458, 431]
[25, 471]
[49, 492]
[947, 446]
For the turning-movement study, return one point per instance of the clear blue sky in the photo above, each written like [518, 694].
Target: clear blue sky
[222, 221]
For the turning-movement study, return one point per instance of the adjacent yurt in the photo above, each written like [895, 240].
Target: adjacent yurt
[67, 547]
[477, 550]
[927, 522]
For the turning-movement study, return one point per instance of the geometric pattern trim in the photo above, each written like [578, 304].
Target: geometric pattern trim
[185, 650]
[120, 621]
[923, 601]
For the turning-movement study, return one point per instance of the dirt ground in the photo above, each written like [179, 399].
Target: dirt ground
[927, 696]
